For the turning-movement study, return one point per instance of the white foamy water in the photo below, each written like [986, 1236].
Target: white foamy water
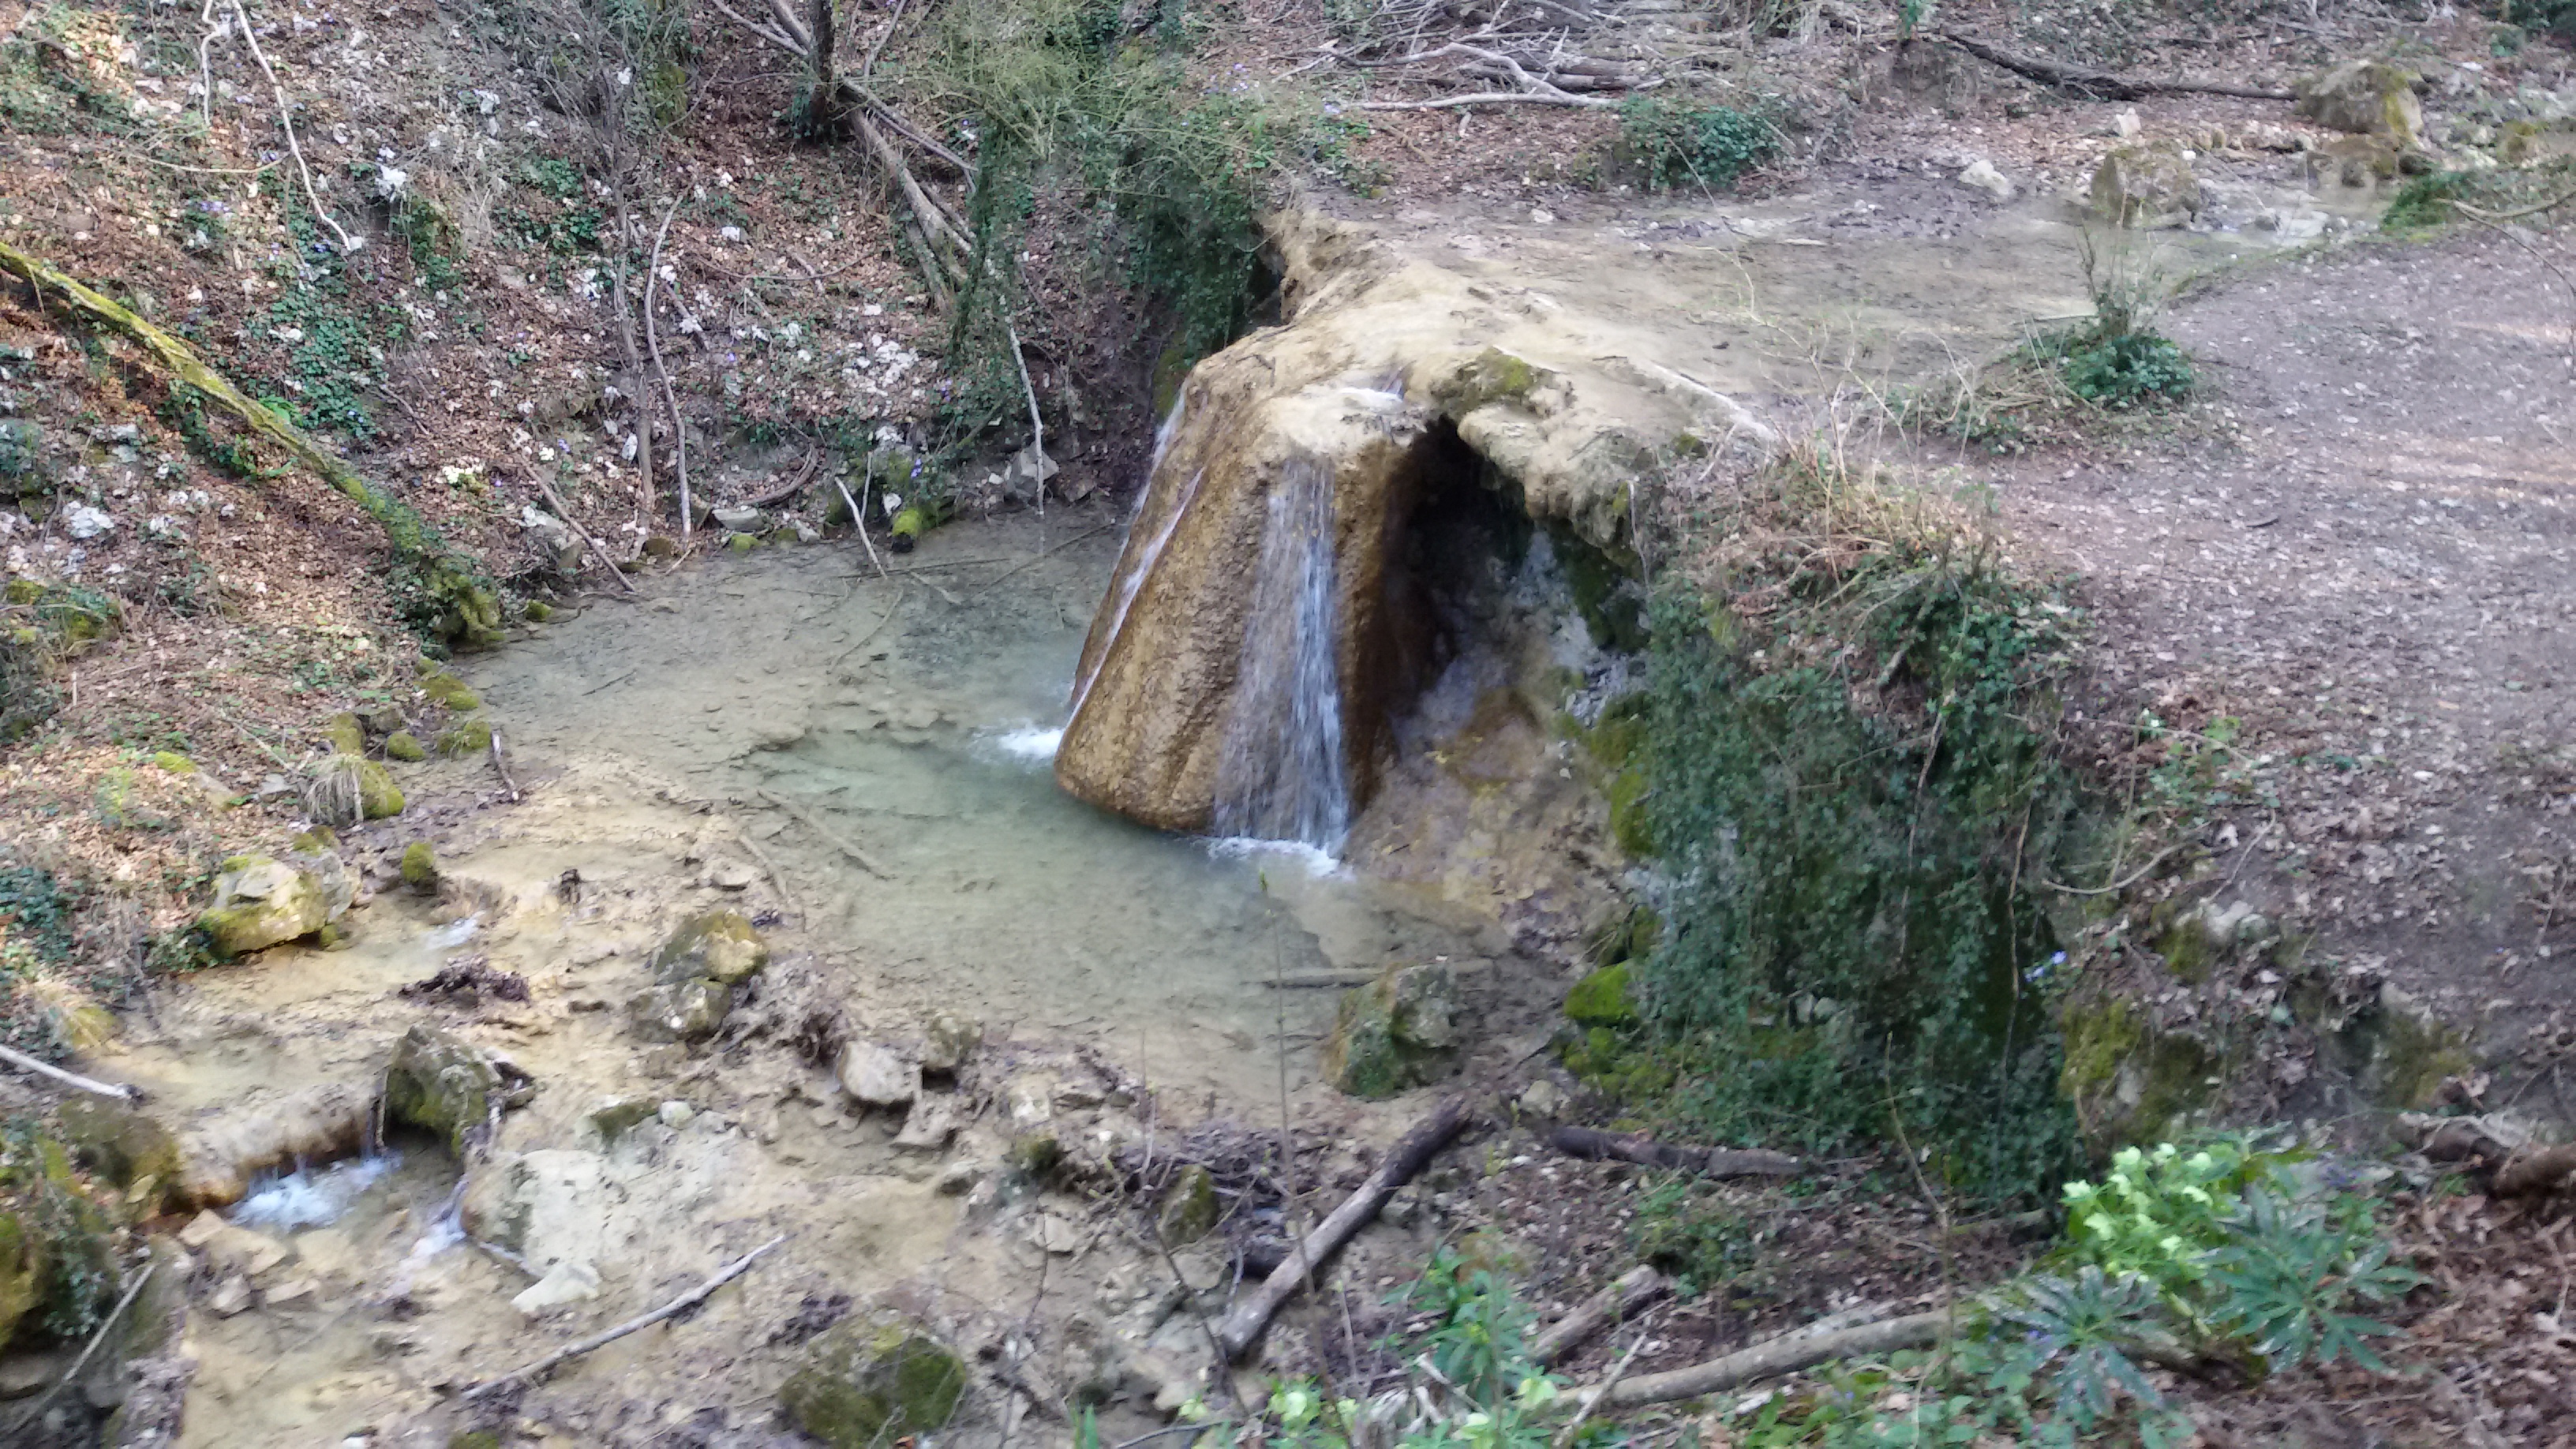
[1030, 743]
[1317, 862]
[1281, 775]
[307, 1198]
[454, 933]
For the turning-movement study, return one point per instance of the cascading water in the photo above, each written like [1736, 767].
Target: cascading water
[1280, 774]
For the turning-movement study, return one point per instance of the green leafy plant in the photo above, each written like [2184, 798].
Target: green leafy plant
[1685, 1229]
[2128, 368]
[2287, 1275]
[1675, 145]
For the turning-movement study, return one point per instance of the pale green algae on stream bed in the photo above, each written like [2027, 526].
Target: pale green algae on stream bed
[923, 738]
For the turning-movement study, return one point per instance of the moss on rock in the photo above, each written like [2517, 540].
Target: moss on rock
[688, 1010]
[471, 735]
[872, 1379]
[1190, 1208]
[1601, 999]
[2129, 1082]
[404, 746]
[259, 902]
[446, 690]
[379, 798]
[345, 733]
[420, 867]
[122, 1146]
[721, 945]
[443, 1084]
[1396, 1033]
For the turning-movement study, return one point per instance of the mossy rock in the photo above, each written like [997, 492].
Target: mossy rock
[908, 527]
[259, 902]
[720, 945]
[58, 1270]
[175, 763]
[448, 691]
[420, 867]
[2130, 1083]
[688, 1010]
[1601, 999]
[345, 733]
[1394, 1034]
[121, 1145]
[379, 798]
[538, 611]
[1491, 376]
[2366, 98]
[621, 1117]
[1036, 1155]
[405, 747]
[661, 546]
[742, 542]
[2399, 1052]
[1190, 1208]
[446, 1085]
[872, 1379]
[2145, 187]
[471, 735]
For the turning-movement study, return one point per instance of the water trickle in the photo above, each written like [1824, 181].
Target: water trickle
[311, 1197]
[1281, 775]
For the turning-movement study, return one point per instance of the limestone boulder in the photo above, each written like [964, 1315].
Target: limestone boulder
[1398, 381]
[2146, 187]
[720, 945]
[446, 1085]
[2366, 98]
[878, 1076]
[261, 901]
[1396, 1033]
[688, 1010]
[872, 1379]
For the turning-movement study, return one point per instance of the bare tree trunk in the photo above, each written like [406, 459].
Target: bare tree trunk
[818, 102]
[635, 373]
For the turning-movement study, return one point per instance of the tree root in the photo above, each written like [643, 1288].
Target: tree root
[469, 609]
[2536, 1171]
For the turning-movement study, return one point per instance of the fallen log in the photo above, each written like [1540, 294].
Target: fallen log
[1635, 1289]
[1410, 1154]
[1786, 1354]
[1588, 1142]
[2101, 85]
[2535, 1171]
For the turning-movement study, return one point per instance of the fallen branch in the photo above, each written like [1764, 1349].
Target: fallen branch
[1592, 1397]
[681, 1304]
[2518, 213]
[653, 342]
[794, 485]
[1488, 98]
[1635, 1289]
[1638, 1148]
[859, 522]
[777, 877]
[596, 547]
[2082, 80]
[24, 1062]
[2535, 1171]
[825, 831]
[1410, 1154]
[1786, 1354]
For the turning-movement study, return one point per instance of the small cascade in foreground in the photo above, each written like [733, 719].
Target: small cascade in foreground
[1280, 773]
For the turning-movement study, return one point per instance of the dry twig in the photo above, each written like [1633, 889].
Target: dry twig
[681, 1304]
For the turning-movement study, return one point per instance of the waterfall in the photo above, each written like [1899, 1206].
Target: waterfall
[1280, 772]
